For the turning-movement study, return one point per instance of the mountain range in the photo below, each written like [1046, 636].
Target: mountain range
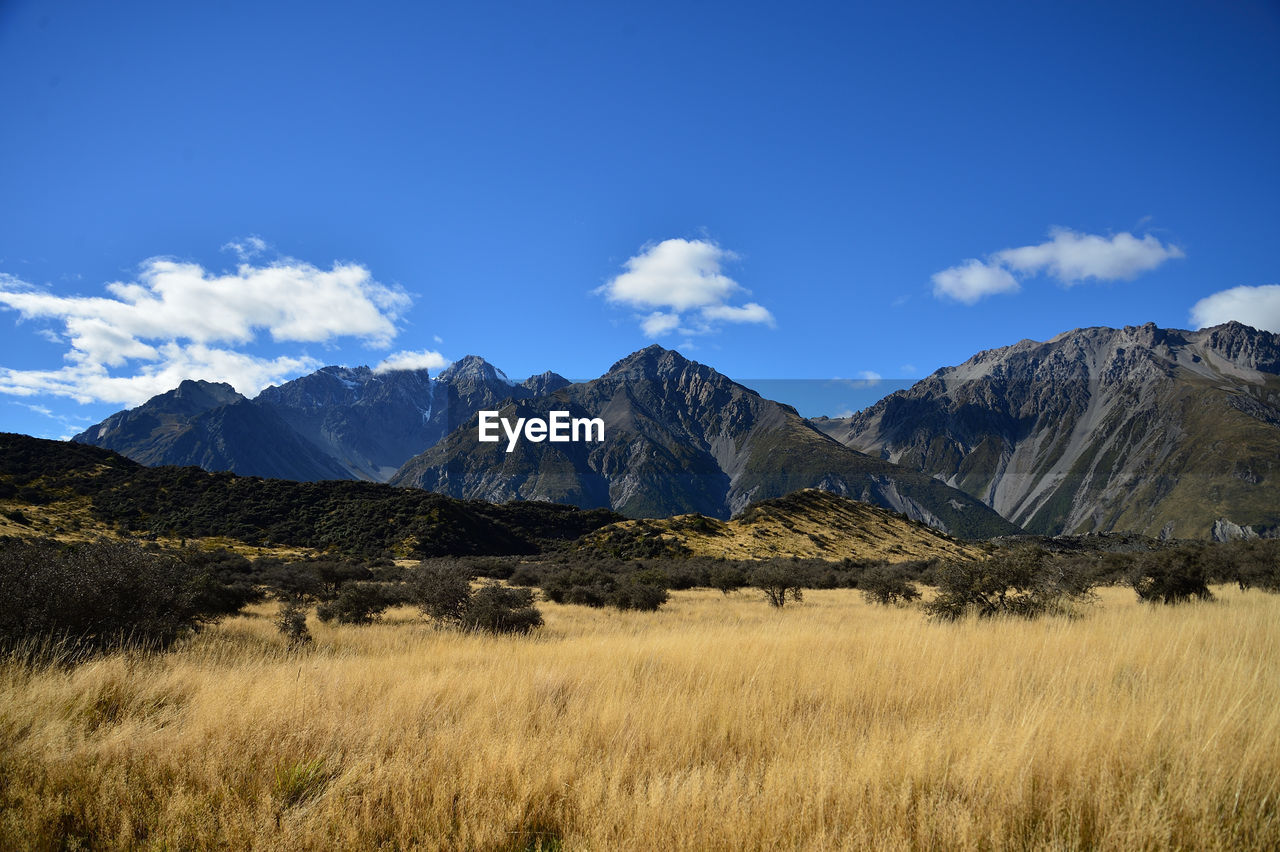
[681, 438]
[1158, 431]
[336, 423]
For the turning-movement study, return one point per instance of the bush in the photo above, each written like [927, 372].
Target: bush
[728, 578]
[442, 592]
[291, 621]
[887, 586]
[1020, 581]
[357, 603]
[100, 595]
[225, 582]
[1251, 563]
[778, 582]
[583, 586]
[1171, 576]
[501, 609]
[525, 576]
[646, 597]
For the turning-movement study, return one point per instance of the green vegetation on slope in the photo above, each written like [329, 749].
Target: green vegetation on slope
[343, 516]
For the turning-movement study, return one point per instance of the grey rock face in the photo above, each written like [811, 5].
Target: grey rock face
[1139, 429]
[680, 437]
[209, 425]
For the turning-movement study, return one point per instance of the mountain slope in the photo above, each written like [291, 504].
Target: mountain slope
[368, 422]
[64, 488]
[336, 423]
[209, 425]
[808, 524]
[680, 438]
[1140, 429]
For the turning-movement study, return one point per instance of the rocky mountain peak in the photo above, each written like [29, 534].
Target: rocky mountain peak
[652, 362]
[475, 368]
[199, 395]
[545, 383]
[1243, 345]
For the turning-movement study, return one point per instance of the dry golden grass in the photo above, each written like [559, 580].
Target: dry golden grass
[714, 724]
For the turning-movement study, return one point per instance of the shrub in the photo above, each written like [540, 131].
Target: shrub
[1171, 576]
[99, 595]
[778, 582]
[525, 576]
[356, 603]
[887, 586]
[646, 597]
[291, 621]
[501, 609]
[1251, 563]
[225, 582]
[587, 587]
[1019, 581]
[728, 578]
[442, 592]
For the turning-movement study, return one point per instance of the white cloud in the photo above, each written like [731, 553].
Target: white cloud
[659, 323]
[870, 376]
[750, 312]
[1068, 256]
[407, 360]
[1254, 306]
[291, 300]
[1071, 257]
[89, 382]
[179, 321]
[674, 277]
[677, 274]
[973, 280]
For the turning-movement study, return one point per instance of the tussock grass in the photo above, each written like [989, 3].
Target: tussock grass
[717, 723]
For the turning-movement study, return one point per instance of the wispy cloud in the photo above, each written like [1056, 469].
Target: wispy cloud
[177, 320]
[70, 425]
[246, 249]
[682, 287]
[1067, 256]
[1255, 306]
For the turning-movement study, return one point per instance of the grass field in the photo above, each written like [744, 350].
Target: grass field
[717, 723]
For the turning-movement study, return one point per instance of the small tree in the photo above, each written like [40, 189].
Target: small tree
[291, 621]
[778, 582]
[356, 603]
[444, 593]
[1171, 576]
[728, 578]
[1021, 581]
[502, 609]
[885, 585]
[441, 592]
[647, 597]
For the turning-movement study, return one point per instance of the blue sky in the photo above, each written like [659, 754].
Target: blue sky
[247, 191]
